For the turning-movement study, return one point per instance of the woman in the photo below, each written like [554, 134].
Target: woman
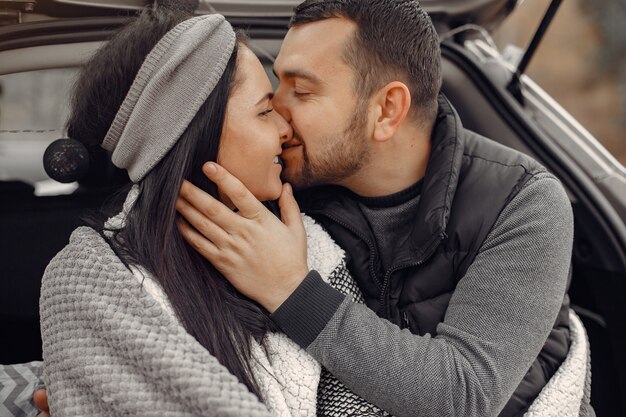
[134, 321]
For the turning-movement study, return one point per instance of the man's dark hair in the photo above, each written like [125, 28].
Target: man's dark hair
[395, 40]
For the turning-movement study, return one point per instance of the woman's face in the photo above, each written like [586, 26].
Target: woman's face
[253, 132]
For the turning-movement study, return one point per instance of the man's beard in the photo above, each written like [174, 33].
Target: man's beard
[338, 158]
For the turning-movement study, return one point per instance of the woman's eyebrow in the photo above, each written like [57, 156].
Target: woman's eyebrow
[266, 97]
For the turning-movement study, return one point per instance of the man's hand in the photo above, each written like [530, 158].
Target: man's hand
[40, 398]
[264, 258]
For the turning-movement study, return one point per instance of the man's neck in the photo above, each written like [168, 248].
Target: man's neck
[393, 166]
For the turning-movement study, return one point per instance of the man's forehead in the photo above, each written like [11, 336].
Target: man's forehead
[315, 44]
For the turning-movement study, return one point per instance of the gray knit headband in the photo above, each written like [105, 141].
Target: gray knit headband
[173, 82]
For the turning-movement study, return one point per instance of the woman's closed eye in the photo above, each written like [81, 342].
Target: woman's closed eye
[266, 112]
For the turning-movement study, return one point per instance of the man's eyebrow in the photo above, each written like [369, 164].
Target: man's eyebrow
[305, 75]
[266, 97]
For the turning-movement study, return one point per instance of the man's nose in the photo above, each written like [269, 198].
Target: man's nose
[284, 128]
[280, 105]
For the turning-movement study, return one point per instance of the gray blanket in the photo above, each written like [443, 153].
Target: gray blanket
[110, 349]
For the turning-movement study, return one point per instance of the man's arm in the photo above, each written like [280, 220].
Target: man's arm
[498, 319]
[496, 324]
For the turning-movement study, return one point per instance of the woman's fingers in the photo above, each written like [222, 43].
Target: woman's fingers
[209, 207]
[201, 244]
[249, 207]
[201, 223]
[289, 210]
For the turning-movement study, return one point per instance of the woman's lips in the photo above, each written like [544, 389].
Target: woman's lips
[278, 160]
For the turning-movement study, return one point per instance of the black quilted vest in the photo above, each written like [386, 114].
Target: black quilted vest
[468, 181]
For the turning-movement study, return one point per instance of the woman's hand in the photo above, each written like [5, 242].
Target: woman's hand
[262, 256]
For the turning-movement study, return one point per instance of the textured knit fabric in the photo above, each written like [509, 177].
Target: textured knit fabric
[567, 394]
[497, 321]
[391, 221]
[564, 391]
[334, 399]
[176, 78]
[111, 350]
[287, 376]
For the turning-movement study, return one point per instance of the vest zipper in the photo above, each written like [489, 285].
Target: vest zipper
[384, 301]
[364, 238]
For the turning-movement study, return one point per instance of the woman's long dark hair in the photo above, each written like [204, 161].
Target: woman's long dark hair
[210, 309]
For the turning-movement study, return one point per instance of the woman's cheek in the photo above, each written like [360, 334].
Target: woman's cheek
[250, 171]
[235, 164]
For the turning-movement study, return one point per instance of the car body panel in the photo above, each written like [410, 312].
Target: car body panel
[453, 13]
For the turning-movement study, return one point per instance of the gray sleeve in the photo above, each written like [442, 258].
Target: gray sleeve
[496, 324]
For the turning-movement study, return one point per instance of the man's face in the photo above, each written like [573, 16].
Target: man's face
[316, 96]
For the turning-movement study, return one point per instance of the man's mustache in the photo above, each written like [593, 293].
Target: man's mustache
[296, 140]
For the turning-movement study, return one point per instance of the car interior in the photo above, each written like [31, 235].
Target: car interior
[36, 225]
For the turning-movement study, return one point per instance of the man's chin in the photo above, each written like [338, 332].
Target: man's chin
[297, 177]
[293, 178]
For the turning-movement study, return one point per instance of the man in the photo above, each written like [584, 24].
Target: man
[461, 247]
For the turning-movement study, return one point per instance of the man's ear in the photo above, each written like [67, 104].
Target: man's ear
[391, 106]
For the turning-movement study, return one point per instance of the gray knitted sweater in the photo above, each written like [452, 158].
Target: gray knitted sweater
[111, 349]
[113, 345]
